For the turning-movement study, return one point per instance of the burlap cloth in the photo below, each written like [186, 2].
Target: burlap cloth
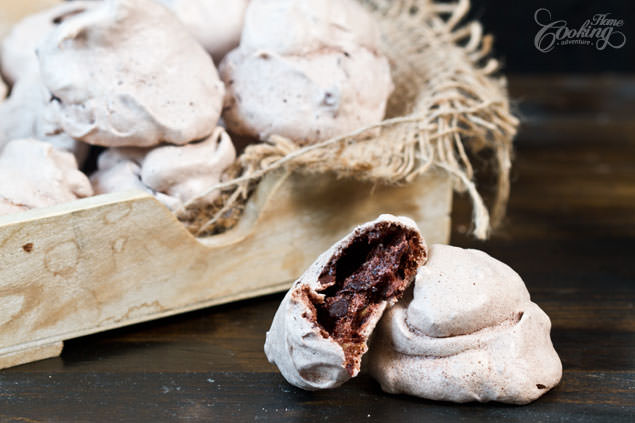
[448, 103]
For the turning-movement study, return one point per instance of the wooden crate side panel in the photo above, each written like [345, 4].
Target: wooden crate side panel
[90, 266]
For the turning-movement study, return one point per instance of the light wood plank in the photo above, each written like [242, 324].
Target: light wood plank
[119, 259]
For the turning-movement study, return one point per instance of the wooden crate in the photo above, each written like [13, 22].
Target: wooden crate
[118, 259]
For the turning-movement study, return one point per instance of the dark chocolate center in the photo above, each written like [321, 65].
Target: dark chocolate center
[377, 266]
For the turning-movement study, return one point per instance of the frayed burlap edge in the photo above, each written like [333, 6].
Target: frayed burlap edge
[447, 102]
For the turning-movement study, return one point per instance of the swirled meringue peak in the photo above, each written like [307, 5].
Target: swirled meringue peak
[319, 333]
[468, 332]
[303, 71]
[128, 73]
[216, 24]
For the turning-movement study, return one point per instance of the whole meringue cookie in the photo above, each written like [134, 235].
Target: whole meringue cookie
[306, 26]
[469, 332]
[185, 172]
[216, 24]
[127, 73]
[319, 333]
[24, 115]
[173, 174]
[35, 174]
[303, 71]
[122, 175]
[119, 169]
[19, 112]
[18, 50]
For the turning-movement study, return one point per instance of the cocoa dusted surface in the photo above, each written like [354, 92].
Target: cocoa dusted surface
[570, 233]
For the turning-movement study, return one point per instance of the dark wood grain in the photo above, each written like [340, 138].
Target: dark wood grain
[570, 233]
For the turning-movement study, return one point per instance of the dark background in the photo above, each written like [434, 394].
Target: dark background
[512, 23]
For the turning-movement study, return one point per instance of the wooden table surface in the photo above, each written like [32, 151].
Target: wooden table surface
[570, 233]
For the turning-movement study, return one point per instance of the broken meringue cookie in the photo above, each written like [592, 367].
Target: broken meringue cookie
[18, 49]
[469, 332]
[173, 174]
[303, 71]
[216, 24]
[34, 174]
[319, 333]
[127, 73]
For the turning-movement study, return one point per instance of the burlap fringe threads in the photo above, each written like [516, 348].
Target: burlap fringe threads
[446, 102]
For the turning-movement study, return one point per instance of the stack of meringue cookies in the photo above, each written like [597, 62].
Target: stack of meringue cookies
[442, 323]
[138, 77]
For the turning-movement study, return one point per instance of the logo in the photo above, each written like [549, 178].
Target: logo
[601, 31]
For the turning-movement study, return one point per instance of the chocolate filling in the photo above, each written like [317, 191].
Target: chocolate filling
[377, 266]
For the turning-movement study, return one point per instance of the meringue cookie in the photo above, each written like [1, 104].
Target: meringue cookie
[305, 26]
[35, 174]
[119, 169]
[118, 175]
[469, 333]
[319, 333]
[23, 115]
[216, 24]
[185, 172]
[19, 112]
[18, 50]
[303, 71]
[173, 174]
[127, 73]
